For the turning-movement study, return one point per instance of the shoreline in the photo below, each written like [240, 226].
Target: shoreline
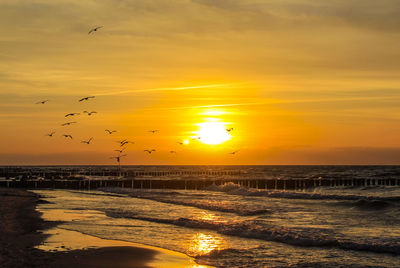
[23, 236]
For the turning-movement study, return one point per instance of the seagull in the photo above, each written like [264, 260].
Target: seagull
[172, 152]
[88, 141]
[126, 142]
[120, 151]
[110, 131]
[42, 102]
[229, 129]
[67, 136]
[118, 158]
[86, 98]
[94, 29]
[68, 123]
[149, 151]
[234, 152]
[72, 114]
[51, 134]
[89, 113]
[180, 143]
[154, 131]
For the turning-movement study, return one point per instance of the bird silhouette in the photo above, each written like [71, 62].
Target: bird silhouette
[72, 114]
[234, 152]
[51, 134]
[126, 142]
[149, 151]
[197, 138]
[118, 158]
[68, 123]
[67, 136]
[86, 98]
[229, 129]
[154, 131]
[89, 113]
[120, 151]
[88, 141]
[94, 29]
[42, 102]
[180, 143]
[172, 152]
[110, 131]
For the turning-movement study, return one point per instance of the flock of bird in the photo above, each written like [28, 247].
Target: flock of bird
[122, 143]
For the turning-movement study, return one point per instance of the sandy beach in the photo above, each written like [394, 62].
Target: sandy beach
[23, 236]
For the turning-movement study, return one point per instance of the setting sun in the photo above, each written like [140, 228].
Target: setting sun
[213, 133]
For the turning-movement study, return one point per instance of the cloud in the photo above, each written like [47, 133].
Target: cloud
[134, 91]
[367, 14]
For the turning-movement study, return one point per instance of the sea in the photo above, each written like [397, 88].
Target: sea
[230, 225]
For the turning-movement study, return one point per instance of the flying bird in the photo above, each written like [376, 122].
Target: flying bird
[42, 102]
[180, 143]
[172, 152]
[197, 138]
[118, 158]
[67, 136]
[110, 131]
[229, 129]
[94, 29]
[72, 114]
[86, 98]
[88, 141]
[126, 142]
[51, 134]
[120, 151]
[68, 123]
[234, 152]
[149, 151]
[154, 131]
[89, 113]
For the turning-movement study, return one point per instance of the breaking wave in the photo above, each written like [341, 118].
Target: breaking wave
[304, 237]
[171, 197]
[236, 189]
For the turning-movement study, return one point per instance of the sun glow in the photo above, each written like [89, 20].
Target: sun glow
[213, 133]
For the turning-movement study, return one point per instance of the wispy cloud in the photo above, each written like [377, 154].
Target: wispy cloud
[135, 91]
[272, 101]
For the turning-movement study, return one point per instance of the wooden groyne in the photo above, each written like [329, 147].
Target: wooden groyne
[57, 173]
[198, 184]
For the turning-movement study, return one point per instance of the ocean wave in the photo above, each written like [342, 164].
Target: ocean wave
[236, 189]
[241, 209]
[304, 237]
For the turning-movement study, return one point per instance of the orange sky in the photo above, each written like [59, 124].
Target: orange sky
[299, 81]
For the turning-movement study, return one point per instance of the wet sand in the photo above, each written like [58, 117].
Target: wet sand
[26, 240]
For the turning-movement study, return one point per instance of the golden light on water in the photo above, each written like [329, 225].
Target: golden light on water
[205, 243]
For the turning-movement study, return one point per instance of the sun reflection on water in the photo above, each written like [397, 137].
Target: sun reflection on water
[202, 244]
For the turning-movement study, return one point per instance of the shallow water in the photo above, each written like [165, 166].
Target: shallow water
[235, 226]
[231, 225]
